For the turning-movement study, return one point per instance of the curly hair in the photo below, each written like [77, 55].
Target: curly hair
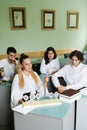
[78, 54]
[46, 58]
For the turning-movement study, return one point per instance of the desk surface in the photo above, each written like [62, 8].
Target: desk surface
[6, 84]
[56, 111]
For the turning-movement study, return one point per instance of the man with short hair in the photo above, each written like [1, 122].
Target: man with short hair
[9, 64]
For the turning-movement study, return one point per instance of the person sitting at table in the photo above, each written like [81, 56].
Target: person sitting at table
[73, 75]
[49, 65]
[50, 62]
[9, 64]
[26, 82]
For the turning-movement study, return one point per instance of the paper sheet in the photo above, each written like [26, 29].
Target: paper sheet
[24, 110]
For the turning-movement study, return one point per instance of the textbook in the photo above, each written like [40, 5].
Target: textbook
[70, 95]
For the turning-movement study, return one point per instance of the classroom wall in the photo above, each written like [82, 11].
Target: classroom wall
[34, 38]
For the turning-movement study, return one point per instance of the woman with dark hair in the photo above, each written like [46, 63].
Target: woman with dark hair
[74, 75]
[50, 63]
[26, 82]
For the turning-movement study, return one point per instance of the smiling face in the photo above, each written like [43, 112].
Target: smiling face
[26, 65]
[75, 61]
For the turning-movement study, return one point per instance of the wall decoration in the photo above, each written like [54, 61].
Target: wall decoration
[17, 18]
[48, 19]
[72, 20]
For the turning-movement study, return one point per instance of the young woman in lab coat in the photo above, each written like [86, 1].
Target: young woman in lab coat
[26, 82]
[50, 63]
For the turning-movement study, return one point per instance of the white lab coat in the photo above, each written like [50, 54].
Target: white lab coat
[75, 77]
[29, 86]
[53, 65]
[9, 69]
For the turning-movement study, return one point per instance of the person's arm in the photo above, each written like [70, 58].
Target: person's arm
[81, 82]
[56, 83]
[42, 86]
[61, 88]
[43, 69]
[15, 92]
[56, 64]
[60, 73]
[46, 79]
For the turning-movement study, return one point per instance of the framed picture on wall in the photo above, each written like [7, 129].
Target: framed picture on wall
[17, 18]
[72, 20]
[48, 19]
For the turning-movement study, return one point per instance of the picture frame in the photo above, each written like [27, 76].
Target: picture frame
[17, 18]
[48, 19]
[72, 20]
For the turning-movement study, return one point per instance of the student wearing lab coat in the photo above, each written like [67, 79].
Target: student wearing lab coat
[9, 64]
[50, 63]
[26, 82]
[75, 74]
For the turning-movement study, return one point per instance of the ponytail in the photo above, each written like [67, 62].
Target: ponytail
[20, 74]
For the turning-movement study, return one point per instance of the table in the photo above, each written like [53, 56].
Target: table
[5, 111]
[57, 117]
[81, 117]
